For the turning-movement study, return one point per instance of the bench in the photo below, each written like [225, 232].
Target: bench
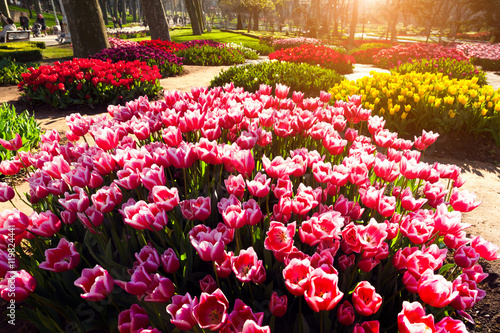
[17, 36]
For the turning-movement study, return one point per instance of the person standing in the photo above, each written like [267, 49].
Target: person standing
[115, 23]
[40, 20]
[25, 22]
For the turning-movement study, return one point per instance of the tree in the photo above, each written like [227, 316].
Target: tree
[194, 12]
[354, 22]
[104, 10]
[88, 32]
[489, 10]
[157, 19]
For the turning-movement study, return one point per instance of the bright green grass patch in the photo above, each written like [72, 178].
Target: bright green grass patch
[58, 52]
[183, 35]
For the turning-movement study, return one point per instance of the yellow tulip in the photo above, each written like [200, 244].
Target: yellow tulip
[382, 110]
[438, 102]
[403, 116]
[407, 108]
[451, 114]
[484, 112]
[452, 90]
[401, 98]
[377, 100]
[490, 105]
[397, 107]
[497, 107]
[416, 98]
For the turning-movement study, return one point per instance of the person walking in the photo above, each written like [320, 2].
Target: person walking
[40, 20]
[25, 22]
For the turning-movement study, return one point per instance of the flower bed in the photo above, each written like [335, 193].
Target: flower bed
[10, 71]
[454, 69]
[117, 42]
[323, 56]
[242, 212]
[89, 81]
[164, 45]
[425, 100]
[287, 43]
[134, 32]
[168, 63]
[366, 56]
[404, 53]
[485, 55]
[308, 79]
[201, 42]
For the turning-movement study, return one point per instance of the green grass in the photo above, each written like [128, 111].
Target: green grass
[183, 35]
[64, 51]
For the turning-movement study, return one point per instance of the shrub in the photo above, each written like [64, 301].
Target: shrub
[22, 51]
[164, 45]
[12, 123]
[403, 53]
[454, 69]
[10, 71]
[316, 55]
[211, 56]
[246, 52]
[485, 55]
[426, 100]
[193, 222]
[168, 63]
[260, 48]
[308, 79]
[89, 81]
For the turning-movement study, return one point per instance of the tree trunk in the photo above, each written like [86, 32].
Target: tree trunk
[354, 22]
[256, 20]
[124, 11]
[38, 7]
[157, 20]
[28, 4]
[134, 10]
[4, 8]
[88, 33]
[199, 14]
[249, 22]
[195, 22]
[104, 10]
[115, 9]
[239, 23]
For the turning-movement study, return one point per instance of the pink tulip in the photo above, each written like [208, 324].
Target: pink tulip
[78, 177]
[15, 144]
[323, 292]
[412, 318]
[105, 138]
[224, 269]
[128, 178]
[235, 185]
[208, 151]
[466, 256]
[170, 261]
[208, 244]
[137, 214]
[45, 224]
[10, 168]
[6, 192]
[133, 319]
[76, 202]
[278, 304]
[96, 283]
[196, 209]
[296, 276]
[251, 326]
[281, 91]
[183, 156]
[244, 162]
[484, 248]
[139, 283]
[91, 218]
[435, 290]
[463, 201]
[345, 313]
[62, 258]
[280, 237]
[23, 285]
[77, 124]
[149, 258]
[372, 326]
[154, 176]
[181, 311]
[240, 315]
[245, 265]
[208, 284]
[211, 310]
[425, 140]
[106, 198]
[365, 299]
[160, 290]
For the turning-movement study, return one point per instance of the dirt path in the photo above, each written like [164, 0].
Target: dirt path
[482, 176]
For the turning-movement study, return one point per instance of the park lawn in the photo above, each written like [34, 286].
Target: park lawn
[63, 51]
[50, 20]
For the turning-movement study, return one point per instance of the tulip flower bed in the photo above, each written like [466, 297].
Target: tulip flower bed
[399, 54]
[211, 56]
[168, 63]
[233, 211]
[308, 79]
[19, 127]
[117, 42]
[164, 45]
[322, 56]
[485, 55]
[287, 43]
[134, 32]
[426, 100]
[454, 69]
[89, 81]
[202, 42]
[366, 56]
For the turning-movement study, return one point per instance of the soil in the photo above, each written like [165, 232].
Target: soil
[479, 159]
